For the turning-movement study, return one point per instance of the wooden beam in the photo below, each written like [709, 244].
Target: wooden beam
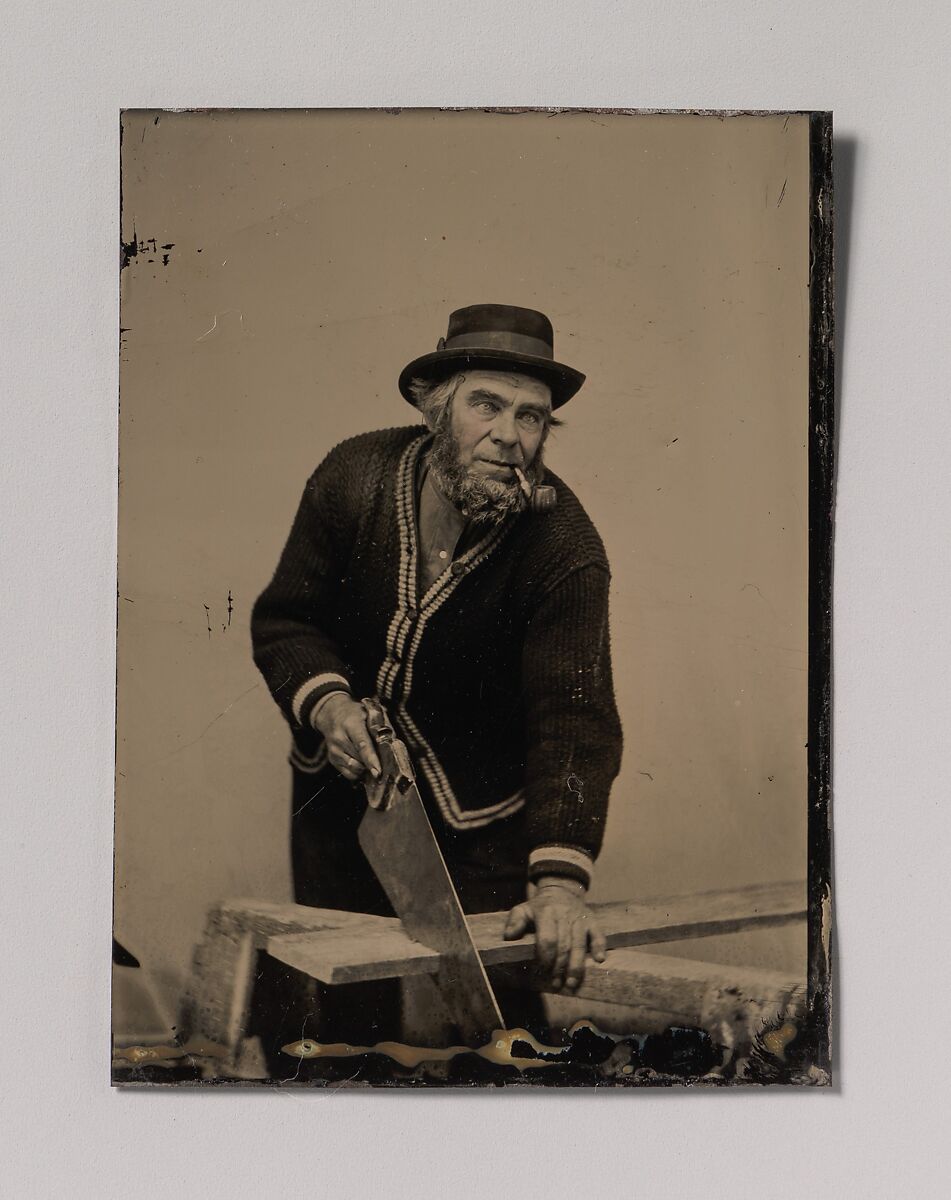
[687, 991]
[377, 947]
[216, 1005]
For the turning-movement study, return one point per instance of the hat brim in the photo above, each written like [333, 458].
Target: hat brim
[563, 381]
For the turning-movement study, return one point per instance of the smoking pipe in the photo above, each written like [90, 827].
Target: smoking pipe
[541, 497]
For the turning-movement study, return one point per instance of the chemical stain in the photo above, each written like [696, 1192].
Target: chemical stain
[168, 1054]
[500, 1050]
[777, 1040]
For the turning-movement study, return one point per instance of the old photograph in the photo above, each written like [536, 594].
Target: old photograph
[473, 599]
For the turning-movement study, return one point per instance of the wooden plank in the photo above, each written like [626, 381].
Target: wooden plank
[266, 919]
[338, 956]
[382, 951]
[626, 923]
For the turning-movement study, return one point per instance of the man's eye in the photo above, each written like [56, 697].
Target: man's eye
[530, 418]
[486, 406]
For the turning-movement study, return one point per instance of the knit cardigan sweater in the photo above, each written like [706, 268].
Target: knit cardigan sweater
[498, 678]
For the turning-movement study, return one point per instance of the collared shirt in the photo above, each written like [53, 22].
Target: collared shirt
[442, 528]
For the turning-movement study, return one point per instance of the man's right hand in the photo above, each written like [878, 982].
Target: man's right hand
[343, 723]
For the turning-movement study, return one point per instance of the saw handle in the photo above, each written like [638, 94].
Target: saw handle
[377, 721]
[396, 770]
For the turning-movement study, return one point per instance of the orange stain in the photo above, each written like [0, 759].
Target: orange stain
[777, 1040]
[498, 1050]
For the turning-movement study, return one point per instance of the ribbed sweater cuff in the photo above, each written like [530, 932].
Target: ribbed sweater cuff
[568, 861]
[309, 694]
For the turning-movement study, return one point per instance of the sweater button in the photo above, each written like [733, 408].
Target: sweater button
[412, 614]
[457, 568]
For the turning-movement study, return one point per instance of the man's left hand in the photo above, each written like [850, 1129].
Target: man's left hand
[564, 930]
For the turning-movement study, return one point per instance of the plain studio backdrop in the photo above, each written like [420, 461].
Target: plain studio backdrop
[287, 266]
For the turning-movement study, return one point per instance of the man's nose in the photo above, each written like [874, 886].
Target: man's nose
[504, 432]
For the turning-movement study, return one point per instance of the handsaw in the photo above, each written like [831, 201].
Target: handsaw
[399, 844]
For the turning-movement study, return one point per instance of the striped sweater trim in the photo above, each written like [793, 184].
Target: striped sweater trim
[555, 859]
[308, 691]
[309, 765]
[409, 610]
[401, 622]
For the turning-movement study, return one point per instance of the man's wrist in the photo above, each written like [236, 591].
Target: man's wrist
[309, 695]
[324, 704]
[562, 883]
[556, 860]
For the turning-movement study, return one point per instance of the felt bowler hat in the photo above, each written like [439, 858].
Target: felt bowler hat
[496, 337]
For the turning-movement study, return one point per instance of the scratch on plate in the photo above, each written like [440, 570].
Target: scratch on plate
[223, 713]
[214, 323]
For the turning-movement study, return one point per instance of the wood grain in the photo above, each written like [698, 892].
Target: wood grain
[377, 948]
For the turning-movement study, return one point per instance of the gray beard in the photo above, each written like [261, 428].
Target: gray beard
[480, 500]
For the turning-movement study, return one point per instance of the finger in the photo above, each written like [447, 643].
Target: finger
[574, 972]
[342, 746]
[348, 766]
[599, 946]
[356, 729]
[546, 941]
[519, 922]
[561, 954]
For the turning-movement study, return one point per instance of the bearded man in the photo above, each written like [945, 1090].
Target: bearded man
[418, 571]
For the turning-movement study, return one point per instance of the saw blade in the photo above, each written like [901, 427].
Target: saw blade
[400, 846]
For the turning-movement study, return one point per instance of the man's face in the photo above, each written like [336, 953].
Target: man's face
[499, 418]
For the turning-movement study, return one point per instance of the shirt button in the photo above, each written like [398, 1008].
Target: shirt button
[443, 553]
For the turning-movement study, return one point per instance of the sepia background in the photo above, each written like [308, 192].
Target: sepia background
[287, 265]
